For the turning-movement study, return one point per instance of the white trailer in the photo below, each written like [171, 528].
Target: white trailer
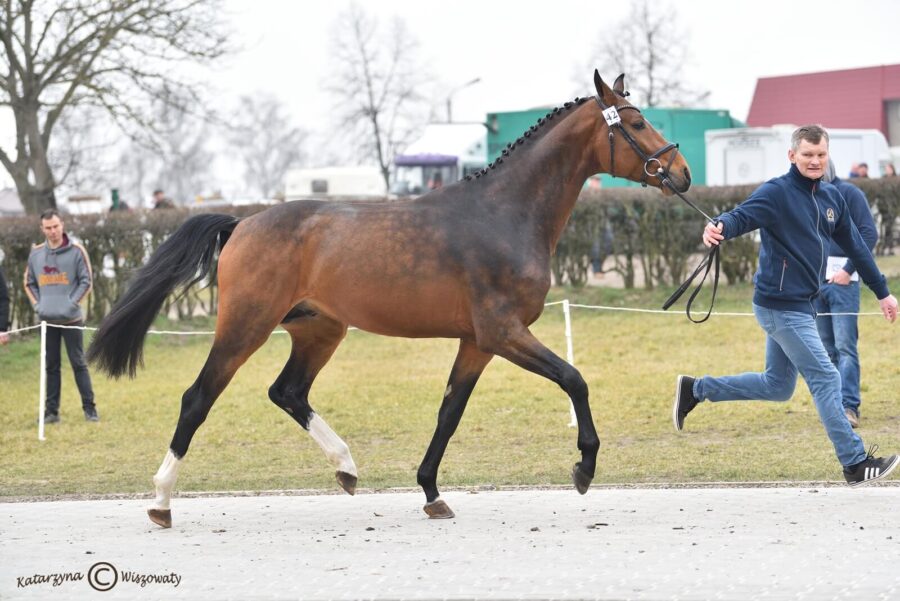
[751, 155]
[335, 183]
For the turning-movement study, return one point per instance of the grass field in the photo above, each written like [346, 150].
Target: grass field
[382, 395]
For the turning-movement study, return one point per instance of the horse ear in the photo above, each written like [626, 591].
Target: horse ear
[601, 86]
[619, 85]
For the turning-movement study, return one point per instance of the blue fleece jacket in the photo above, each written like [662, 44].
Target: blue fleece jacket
[798, 218]
[862, 217]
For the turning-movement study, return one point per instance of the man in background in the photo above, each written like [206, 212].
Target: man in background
[4, 310]
[840, 295]
[160, 201]
[57, 279]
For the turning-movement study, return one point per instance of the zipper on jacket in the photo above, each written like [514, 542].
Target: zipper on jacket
[819, 234]
[783, 269]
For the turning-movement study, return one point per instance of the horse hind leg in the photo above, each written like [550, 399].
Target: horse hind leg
[520, 347]
[470, 363]
[314, 340]
[230, 350]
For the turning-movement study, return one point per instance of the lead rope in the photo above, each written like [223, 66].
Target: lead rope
[712, 258]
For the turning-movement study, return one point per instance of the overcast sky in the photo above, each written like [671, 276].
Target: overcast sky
[527, 53]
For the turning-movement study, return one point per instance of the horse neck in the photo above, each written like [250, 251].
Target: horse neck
[550, 174]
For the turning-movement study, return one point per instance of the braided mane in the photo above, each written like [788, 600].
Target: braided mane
[533, 130]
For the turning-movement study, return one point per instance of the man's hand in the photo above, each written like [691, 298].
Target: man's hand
[712, 234]
[840, 277]
[889, 307]
[4, 338]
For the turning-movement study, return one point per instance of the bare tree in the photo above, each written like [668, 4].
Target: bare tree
[262, 133]
[108, 53]
[651, 48]
[379, 87]
[80, 157]
[181, 140]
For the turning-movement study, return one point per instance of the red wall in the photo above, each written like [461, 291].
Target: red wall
[853, 98]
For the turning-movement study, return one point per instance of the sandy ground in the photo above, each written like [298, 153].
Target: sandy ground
[810, 542]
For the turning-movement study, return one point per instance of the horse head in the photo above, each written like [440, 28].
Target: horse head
[631, 147]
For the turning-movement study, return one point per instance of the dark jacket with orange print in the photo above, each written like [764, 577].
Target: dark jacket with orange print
[57, 279]
[798, 218]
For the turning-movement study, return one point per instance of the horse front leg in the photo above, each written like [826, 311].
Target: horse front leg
[467, 368]
[520, 347]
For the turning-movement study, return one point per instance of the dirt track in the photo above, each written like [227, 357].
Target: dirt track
[710, 543]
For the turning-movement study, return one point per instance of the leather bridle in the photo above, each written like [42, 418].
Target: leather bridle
[614, 122]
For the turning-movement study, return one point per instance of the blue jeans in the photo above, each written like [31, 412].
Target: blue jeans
[792, 344]
[839, 335]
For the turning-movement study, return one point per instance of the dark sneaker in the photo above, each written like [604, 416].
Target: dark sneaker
[90, 414]
[685, 401]
[852, 417]
[51, 418]
[871, 468]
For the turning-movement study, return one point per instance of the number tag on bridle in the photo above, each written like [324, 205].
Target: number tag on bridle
[612, 116]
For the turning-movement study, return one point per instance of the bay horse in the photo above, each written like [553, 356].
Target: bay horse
[469, 261]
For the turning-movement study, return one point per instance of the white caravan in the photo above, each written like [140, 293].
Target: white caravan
[751, 155]
[335, 183]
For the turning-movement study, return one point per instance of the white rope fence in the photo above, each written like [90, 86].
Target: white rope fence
[567, 314]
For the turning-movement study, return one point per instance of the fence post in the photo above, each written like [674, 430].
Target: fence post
[43, 379]
[570, 356]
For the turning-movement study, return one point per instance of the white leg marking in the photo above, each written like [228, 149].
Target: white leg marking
[164, 480]
[335, 449]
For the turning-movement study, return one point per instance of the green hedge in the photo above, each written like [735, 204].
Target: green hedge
[661, 234]
[116, 244]
[631, 227]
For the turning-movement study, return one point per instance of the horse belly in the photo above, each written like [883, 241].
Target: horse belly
[414, 310]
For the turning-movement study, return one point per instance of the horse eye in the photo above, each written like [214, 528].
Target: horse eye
[640, 125]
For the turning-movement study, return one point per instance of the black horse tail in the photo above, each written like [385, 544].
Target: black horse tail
[183, 259]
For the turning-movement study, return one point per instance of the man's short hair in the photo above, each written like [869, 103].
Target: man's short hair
[49, 214]
[157, 191]
[811, 133]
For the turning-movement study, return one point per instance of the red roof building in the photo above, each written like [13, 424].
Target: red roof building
[867, 98]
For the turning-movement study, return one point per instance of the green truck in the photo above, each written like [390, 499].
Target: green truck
[684, 126]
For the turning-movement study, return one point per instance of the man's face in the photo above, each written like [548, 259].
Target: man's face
[53, 230]
[811, 159]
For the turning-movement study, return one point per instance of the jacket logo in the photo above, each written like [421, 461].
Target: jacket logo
[829, 214]
[51, 269]
[53, 279]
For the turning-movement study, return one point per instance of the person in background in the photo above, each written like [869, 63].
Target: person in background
[862, 170]
[57, 278]
[160, 201]
[840, 295]
[797, 216]
[4, 309]
[889, 170]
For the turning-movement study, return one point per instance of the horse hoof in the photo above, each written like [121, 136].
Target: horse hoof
[346, 481]
[161, 517]
[438, 510]
[582, 481]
